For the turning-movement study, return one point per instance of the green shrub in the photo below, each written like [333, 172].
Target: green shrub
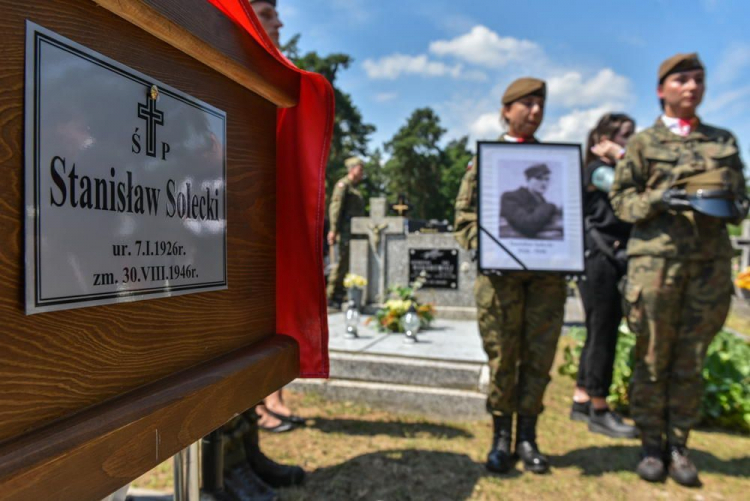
[726, 376]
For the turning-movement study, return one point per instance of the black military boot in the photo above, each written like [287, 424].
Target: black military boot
[610, 424]
[271, 472]
[526, 448]
[241, 483]
[651, 466]
[681, 468]
[500, 459]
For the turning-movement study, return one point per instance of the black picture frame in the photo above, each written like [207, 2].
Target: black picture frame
[518, 228]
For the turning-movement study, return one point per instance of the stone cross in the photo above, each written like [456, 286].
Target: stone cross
[377, 227]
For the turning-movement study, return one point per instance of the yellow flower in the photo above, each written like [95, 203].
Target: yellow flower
[743, 279]
[352, 280]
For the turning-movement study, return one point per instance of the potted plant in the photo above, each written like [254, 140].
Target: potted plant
[354, 285]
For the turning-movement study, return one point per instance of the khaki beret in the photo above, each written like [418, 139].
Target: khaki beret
[523, 87]
[537, 171]
[679, 62]
[352, 162]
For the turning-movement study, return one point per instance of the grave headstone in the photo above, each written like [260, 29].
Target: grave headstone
[393, 255]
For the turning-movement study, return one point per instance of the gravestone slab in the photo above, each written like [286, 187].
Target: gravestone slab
[451, 302]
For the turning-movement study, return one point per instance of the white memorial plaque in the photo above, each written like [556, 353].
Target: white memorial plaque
[125, 182]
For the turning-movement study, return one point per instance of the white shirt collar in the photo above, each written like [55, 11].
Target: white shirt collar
[676, 125]
[512, 139]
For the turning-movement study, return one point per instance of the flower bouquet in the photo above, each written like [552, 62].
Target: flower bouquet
[743, 282]
[400, 299]
[354, 285]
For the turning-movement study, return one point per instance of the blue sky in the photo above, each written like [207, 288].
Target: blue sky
[457, 57]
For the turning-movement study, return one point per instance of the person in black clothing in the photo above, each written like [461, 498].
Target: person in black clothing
[606, 263]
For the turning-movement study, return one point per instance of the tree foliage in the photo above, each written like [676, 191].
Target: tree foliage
[419, 168]
[350, 132]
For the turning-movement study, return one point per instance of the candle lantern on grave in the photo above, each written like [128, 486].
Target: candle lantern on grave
[411, 323]
[351, 319]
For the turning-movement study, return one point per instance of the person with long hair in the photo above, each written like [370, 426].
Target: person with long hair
[520, 313]
[606, 263]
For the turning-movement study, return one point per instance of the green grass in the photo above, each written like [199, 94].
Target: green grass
[353, 452]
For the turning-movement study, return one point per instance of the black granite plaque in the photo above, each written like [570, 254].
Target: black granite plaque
[440, 267]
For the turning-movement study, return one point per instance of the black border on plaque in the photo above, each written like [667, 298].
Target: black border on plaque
[499, 271]
[104, 62]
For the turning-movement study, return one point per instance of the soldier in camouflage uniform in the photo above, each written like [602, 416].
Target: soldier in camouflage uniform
[678, 283]
[520, 313]
[346, 203]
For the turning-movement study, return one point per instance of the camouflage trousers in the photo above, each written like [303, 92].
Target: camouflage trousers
[675, 307]
[335, 288]
[520, 318]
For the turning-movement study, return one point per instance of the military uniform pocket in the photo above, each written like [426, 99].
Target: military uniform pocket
[632, 307]
[722, 156]
[661, 163]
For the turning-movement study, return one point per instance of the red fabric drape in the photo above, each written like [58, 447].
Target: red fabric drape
[303, 140]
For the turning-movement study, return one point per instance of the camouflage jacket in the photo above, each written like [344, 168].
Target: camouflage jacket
[346, 203]
[466, 227]
[654, 159]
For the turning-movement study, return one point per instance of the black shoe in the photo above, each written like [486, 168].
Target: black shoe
[580, 411]
[282, 427]
[500, 459]
[651, 467]
[271, 472]
[292, 418]
[681, 468]
[242, 483]
[526, 448]
[610, 424]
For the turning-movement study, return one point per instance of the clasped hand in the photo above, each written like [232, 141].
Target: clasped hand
[676, 199]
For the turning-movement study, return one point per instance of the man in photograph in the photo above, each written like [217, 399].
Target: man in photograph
[526, 212]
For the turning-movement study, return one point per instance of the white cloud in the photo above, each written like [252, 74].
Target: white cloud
[484, 47]
[720, 102]
[733, 62]
[393, 66]
[486, 125]
[571, 89]
[575, 126]
[384, 97]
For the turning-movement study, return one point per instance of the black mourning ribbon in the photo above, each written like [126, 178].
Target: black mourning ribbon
[503, 247]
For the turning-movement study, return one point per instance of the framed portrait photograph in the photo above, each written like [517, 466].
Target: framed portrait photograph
[530, 207]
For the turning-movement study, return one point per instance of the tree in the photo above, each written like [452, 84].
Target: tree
[350, 133]
[374, 184]
[456, 159]
[416, 164]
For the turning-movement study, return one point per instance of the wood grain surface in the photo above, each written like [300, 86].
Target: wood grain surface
[101, 449]
[54, 365]
[198, 29]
